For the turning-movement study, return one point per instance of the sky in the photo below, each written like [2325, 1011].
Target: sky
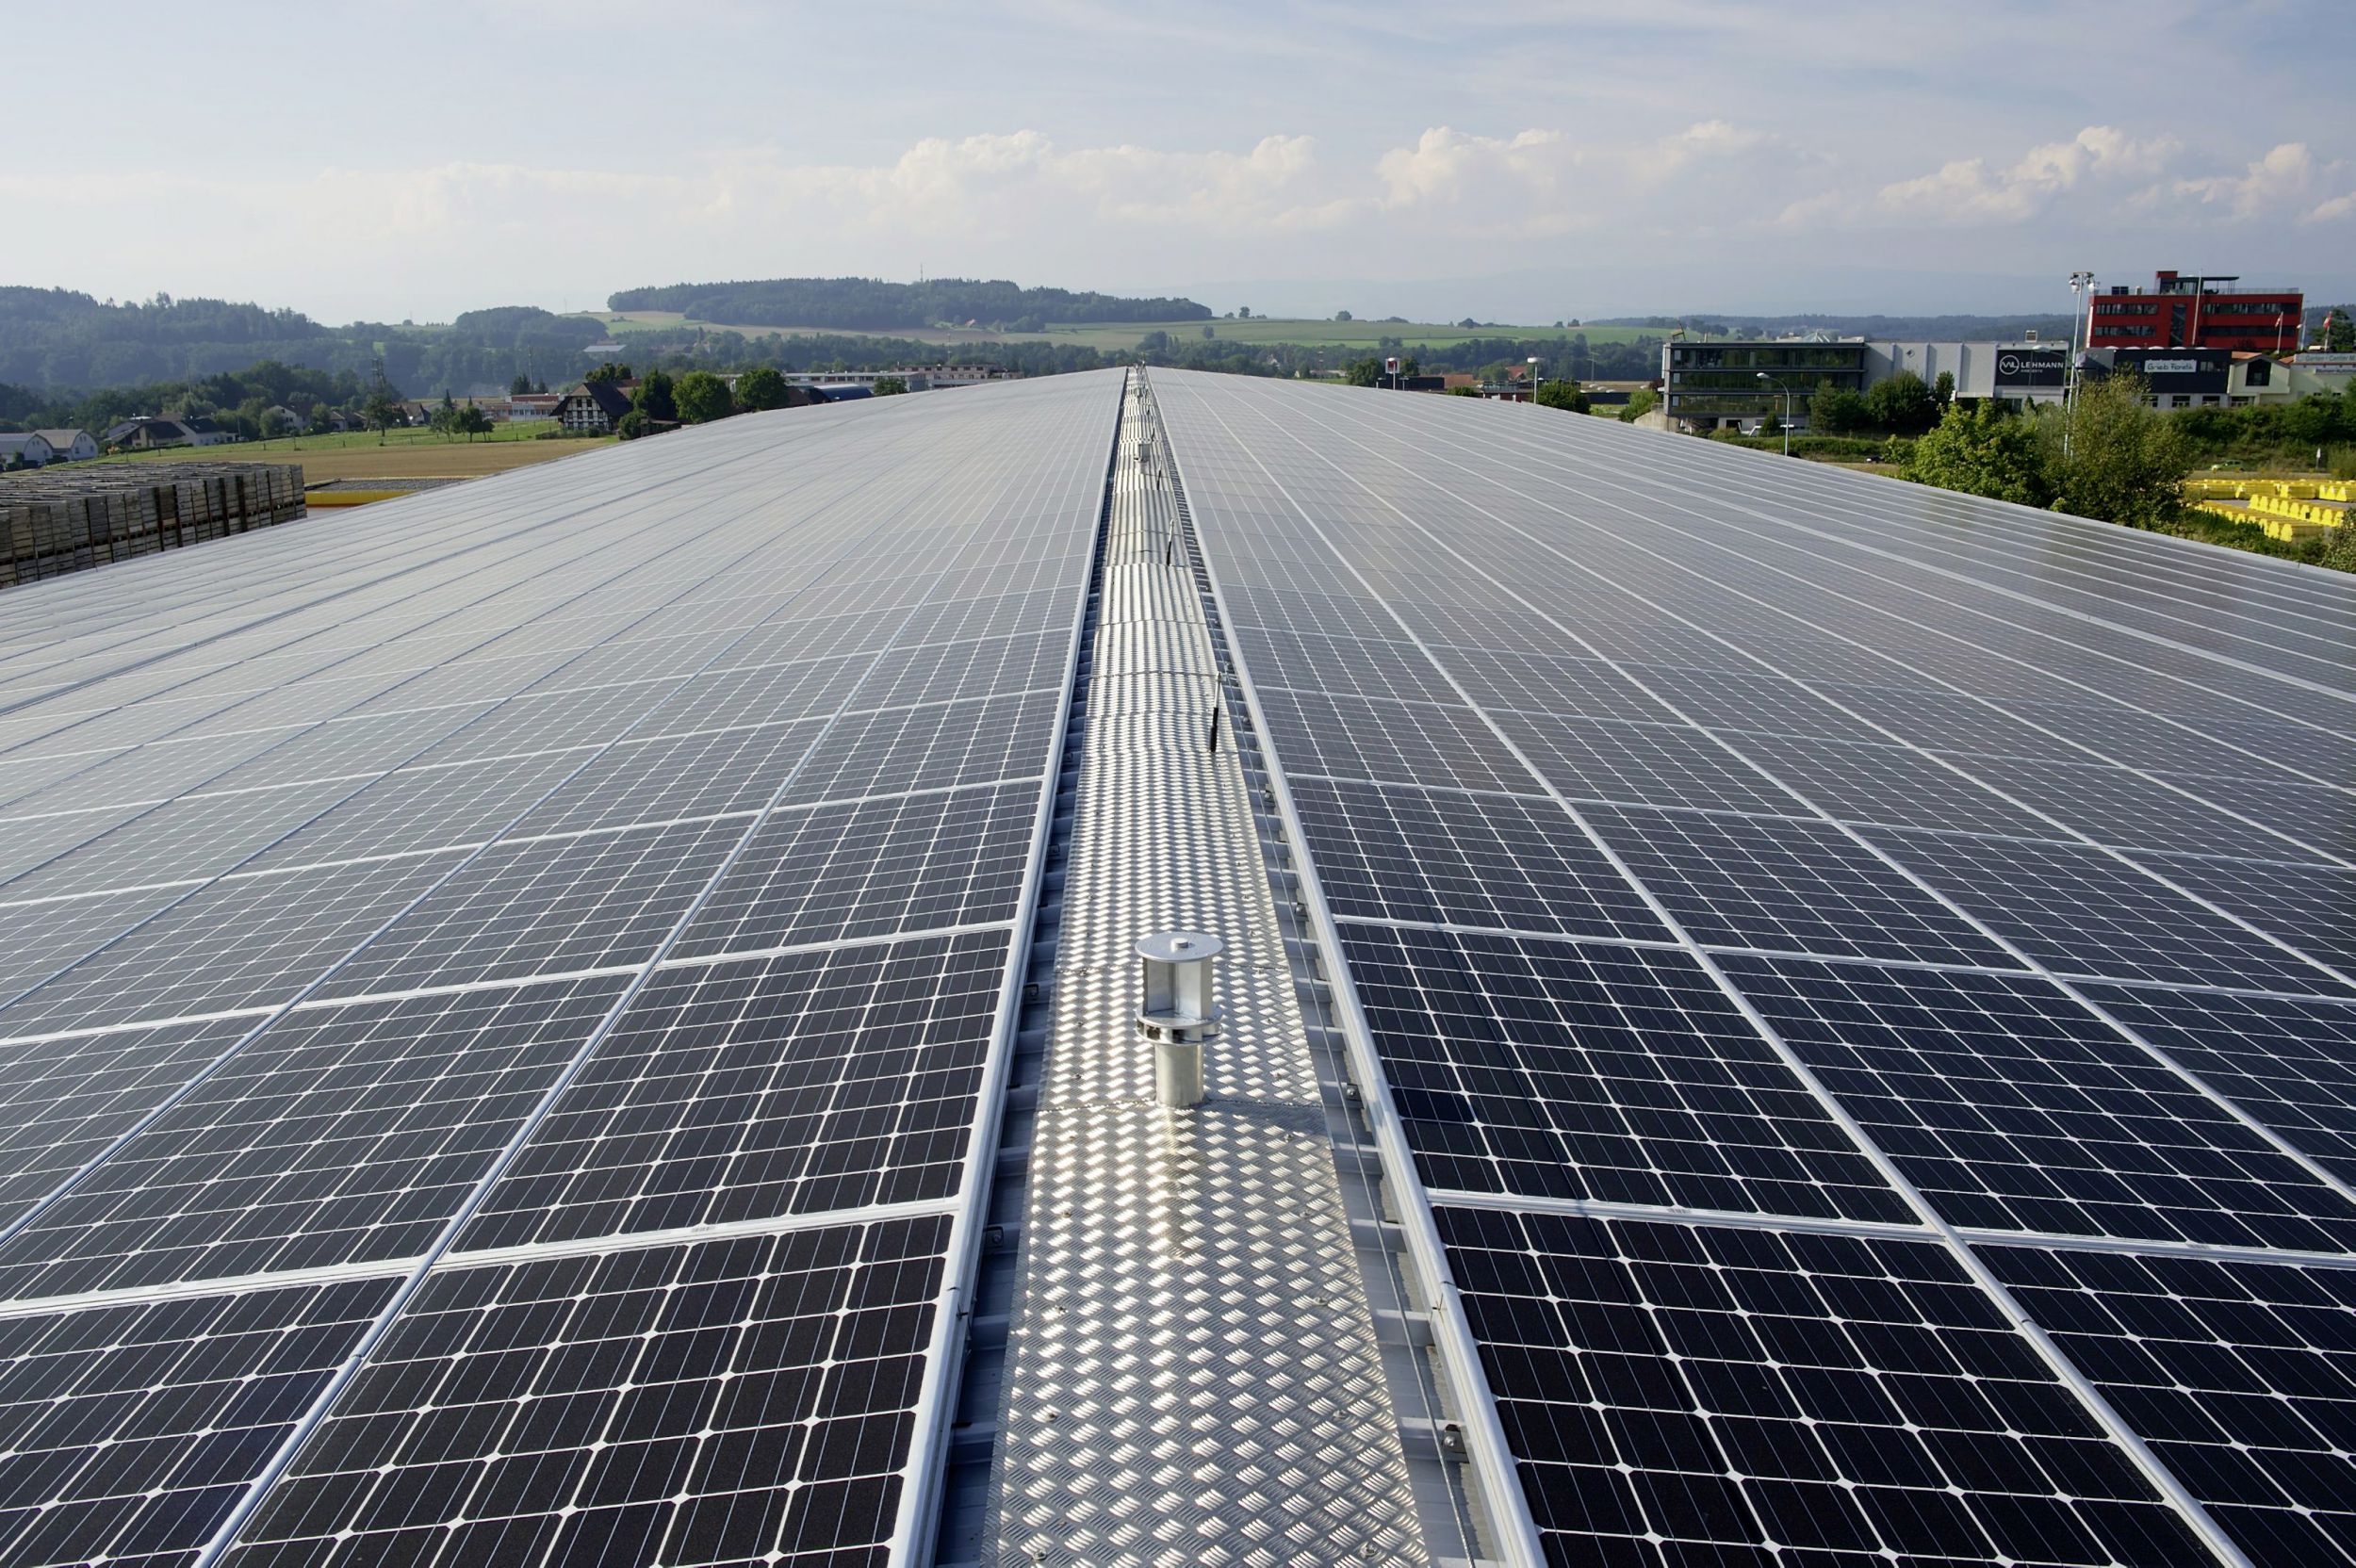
[1515, 162]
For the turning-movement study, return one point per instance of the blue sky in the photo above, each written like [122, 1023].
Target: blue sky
[1517, 162]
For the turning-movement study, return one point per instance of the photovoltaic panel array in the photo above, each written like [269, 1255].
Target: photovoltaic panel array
[1855, 976]
[499, 993]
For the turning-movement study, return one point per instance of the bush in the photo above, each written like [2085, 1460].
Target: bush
[1639, 403]
[702, 396]
[759, 389]
[1983, 450]
[632, 425]
[1565, 395]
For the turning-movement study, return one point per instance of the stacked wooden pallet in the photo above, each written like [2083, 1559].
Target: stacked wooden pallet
[54, 521]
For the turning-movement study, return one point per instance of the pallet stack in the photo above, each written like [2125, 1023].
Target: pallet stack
[54, 521]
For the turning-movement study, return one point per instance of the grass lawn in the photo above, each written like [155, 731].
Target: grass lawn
[1124, 334]
[400, 454]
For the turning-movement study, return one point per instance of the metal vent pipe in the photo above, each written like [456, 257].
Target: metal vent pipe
[1177, 1011]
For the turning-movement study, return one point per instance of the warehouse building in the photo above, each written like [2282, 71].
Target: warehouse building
[1190, 970]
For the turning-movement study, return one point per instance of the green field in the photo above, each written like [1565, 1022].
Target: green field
[1124, 334]
[400, 453]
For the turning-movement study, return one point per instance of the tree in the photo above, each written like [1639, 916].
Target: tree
[1837, 411]
[757, 389]
[274, 423]
[381, 413]
[1365, 371]
[1943, 390]
[1208, 331]
[472, 422]
[1983, 450]
[1902, 403]
[890, 386]
[2339, 332]
[1771, 425]
[630, 426]
[610, 370]
[702, 397]
[520, 386]
[1639, 403]
[1563, 394]
[656, 397]
[1243, 313]
[2126, 462]
[1341, 315]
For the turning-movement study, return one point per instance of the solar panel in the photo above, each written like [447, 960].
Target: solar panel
[631, 851]
[503, 1006]
[1927, 800]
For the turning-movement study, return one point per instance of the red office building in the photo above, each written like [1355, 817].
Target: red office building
[2180, 312]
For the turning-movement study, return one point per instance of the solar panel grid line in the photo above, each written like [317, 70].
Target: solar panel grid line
[2093, 541]
[33, 1214]
[491, 634]
[2330, 615]
[2107, 1417]
[754, 549]
[1653, 520]
[1737, 949]
[225, 1536]
[1633, 542]
[576, 548]
[418, 561]
[2255, 1124]
[491, 1257]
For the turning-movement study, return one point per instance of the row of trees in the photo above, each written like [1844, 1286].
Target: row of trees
[870, 303]
[699, 397]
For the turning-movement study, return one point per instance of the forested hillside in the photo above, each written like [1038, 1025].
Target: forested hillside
[869, 305]
[55, 340]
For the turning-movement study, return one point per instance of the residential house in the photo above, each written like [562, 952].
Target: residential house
[71, 446]
[594, 408]
[288, 418]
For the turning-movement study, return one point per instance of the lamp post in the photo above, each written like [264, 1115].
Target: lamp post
[2081, 283]
[1787, 408]
[1534, 378]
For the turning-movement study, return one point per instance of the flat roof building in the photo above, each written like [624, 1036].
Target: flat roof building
[2192, 311]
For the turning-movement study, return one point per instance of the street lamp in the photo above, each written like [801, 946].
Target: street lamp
[1787, 408]
[1534, 378]
[2079, 284]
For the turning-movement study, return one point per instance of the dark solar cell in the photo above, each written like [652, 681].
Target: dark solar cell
[1643, 764]
[1354, 667]
[708, 772]
[930, 747]
[1888, 784]
[1550, 683]
[1795, 885]
[732, 1402]
[38, 939]
[1396, 742]
[2079, 911]
[764, 1087]
[64, 1099]
[1746, 700]
[2113, 805]
[1563, 1069]
[1394, 853]
[338, 1135]
[1682, 1394]
[870, 869]
[2290, 1064]
[2311, 907]
[547, 906]
[250, 941]
[130, 1431]
[2012, 1107]
[417, 809]
[989, 667]
[2242, 1376]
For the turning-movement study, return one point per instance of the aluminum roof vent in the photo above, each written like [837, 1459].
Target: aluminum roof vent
[1176, 1011]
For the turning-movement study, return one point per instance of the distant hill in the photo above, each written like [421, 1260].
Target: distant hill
[55, 338]
[1936, 329]
[869, 305]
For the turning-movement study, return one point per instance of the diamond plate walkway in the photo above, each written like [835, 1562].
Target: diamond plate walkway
[1193, 1375]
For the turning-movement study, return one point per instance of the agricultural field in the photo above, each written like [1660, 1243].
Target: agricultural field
[402, 455]
[1124, 334]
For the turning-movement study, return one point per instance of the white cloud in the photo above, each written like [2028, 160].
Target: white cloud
[1967, 191]
[2286, 173]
